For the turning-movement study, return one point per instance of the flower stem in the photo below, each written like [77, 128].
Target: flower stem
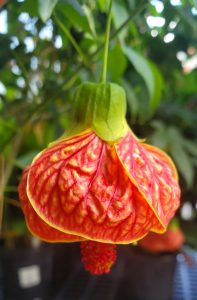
[106, 47]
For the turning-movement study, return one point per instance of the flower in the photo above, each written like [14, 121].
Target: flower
[88, 188]
[170, 241]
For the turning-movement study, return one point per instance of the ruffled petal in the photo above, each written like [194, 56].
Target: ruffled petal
[79, 186]
[35, 224]
[155, 176]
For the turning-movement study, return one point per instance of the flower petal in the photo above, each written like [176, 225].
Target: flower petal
[79, 186]
[155, 176]
[35, 224]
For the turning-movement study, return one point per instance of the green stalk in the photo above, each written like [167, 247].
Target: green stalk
[106, 47]
[71, 39]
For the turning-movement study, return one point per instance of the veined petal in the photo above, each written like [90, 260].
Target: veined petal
[79, 186]
[154, 175]
[35, 224]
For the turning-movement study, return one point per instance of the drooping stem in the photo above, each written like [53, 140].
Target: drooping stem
[106, 47]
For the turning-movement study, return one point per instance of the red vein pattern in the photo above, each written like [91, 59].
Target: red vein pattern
[111, 193]
[154, 174]
[35, 224]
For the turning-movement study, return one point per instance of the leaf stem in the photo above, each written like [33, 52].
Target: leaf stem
[132, 15]
[106, 44]
[71, 39]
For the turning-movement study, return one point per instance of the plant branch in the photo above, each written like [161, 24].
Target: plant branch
[23, 70]
[71, 39]
[66, 84]
[106, 44]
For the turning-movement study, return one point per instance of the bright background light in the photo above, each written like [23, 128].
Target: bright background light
[158, 5]
[155, 21]
[3, 22]
[169, 37]
[175, 2]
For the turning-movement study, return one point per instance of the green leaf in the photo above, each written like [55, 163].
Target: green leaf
[116, 56]
[73, 11]
[102, 4]
[194, 161]
[132, 100]
[171, 139]
[184, 163]
[45, 8]
[30, 7]
[24, 160]
[180, 155]
[119, 15]
[158, 125]
[70, 37]
[149, 73]
[90, 19]
[193, 3]
[159, 137]
[190, 146]
[187, 83]
[156, 91]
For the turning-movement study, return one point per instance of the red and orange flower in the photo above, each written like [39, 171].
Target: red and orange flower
[170, 241]
[88, 188]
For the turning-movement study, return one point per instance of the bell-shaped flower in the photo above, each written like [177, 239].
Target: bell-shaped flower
[100, 183]
[170, 241]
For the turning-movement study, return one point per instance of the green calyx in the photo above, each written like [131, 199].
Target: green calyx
[101, 107]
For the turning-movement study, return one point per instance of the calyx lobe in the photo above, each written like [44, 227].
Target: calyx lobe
[101, 107]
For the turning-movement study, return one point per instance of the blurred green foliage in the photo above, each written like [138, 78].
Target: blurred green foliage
[49, 47]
